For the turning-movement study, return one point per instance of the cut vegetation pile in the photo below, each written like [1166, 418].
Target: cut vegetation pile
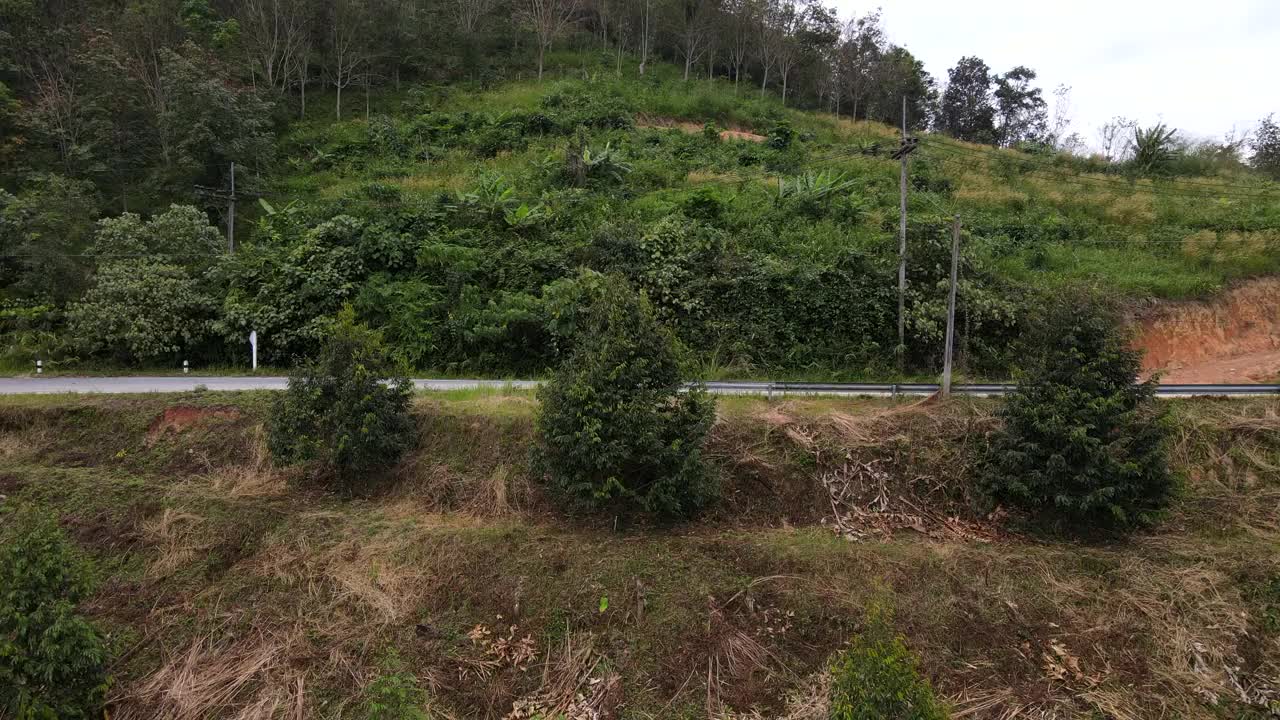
[225, 589]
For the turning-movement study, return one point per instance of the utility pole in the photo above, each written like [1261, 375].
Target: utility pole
[951, 307]
[231, 212]
[904, 149]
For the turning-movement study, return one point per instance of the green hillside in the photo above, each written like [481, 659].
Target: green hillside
[773, 255]
[459, 219]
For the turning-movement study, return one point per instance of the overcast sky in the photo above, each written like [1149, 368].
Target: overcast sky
[1202, 67]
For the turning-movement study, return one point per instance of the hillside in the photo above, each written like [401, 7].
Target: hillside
[228, 588]
[460, 219]
[767, 239]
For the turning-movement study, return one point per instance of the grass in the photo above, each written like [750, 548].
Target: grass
[228, 585]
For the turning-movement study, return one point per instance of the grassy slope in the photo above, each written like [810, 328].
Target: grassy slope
[1040, 220]
[214, 562]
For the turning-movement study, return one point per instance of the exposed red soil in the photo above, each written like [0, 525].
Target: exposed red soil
[1234, 338]
[181, 417]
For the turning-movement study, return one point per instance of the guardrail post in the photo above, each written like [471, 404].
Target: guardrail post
[769, 392]
[893, 391]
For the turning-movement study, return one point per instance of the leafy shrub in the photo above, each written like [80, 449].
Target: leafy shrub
[614, 427]
[876, 678]
[1081, 442]
[394, 695]
[51, 659]
[338, 414]
[781, 135]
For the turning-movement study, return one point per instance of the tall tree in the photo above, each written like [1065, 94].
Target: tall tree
[548, 19]
[967, 111]
[1024, 115]
[898, 75]
[696, 30]
[347, 55]
[1266, 147]
[740, 17]
[275, 34]
[861, 47]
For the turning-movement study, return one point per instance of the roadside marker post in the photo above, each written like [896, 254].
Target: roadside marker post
[186, 367]
[39, 367]
[253, 341]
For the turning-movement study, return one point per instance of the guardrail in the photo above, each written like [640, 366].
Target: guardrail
[731, 387]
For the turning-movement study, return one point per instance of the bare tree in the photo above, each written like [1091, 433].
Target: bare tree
[548, 19]
[740, 16]
[468, 13]
[348, 53]
[1114, 136]
[275, 33]
[695, 33]
[648, 28]
[786, 47]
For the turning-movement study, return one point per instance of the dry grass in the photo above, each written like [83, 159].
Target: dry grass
[176, 534]
[246, 679]
[576, 685]
[257, 477]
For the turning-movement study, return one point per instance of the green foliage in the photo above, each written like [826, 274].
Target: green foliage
[615, 429]
[141, 310]
[394, 695]
[337, 412]
[877, 678]
[1082, 445]
[1266, 147]
[1153, 149]
[148, 297]
[42, 231]
[52, 664]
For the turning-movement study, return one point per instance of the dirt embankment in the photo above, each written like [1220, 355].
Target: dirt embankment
[1234, 338]
[646, 121]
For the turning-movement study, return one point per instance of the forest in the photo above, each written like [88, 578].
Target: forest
[177, 173]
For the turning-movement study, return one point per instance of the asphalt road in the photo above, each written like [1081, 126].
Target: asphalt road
[180, 383]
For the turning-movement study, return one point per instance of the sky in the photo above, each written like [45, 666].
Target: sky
[1200, 67]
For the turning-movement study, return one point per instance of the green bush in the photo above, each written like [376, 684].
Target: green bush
[337, 412]
[876, 678]
[51, 659]
[615, 429]
[394, 695]
[1082, 444]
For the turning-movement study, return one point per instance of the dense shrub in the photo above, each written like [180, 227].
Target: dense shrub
[615, 429]
[51, 659]
[337, 412]
[1082, 444]
[394, 695]
[876, 678]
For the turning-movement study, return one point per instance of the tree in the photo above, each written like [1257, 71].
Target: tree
[1082, 444]
[339, 414]
[347, 54]
[275, 34]
[739, 14]
[548, 19]
[861, 47]
[42, 232]
[615, 428]
[1266, 147]
[1113, 136]
[896, 76]
[695, 31]
[148, 297]
[1024, 115]
[967, 112]
[52, 663]
[1152, 149]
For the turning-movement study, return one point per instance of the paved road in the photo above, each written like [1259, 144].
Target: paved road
[144, 384]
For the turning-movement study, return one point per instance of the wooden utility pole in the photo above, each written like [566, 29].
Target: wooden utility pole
[951, 307]
[231, 212]
[908, 145]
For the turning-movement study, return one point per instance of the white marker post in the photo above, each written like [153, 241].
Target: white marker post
[39, 367]
[253, 340]
[186, 367]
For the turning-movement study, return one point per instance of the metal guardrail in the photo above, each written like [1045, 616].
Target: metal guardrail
[975, 389]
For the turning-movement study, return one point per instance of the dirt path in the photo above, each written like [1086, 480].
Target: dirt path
[1234, 338]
